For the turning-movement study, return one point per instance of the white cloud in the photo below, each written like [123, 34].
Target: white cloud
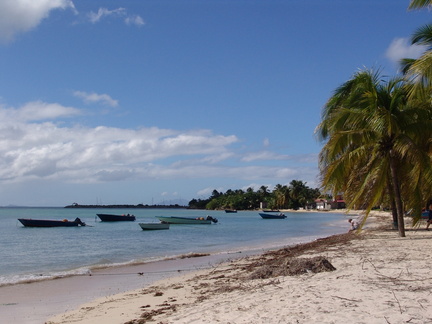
[33, 146]
[96, 17]
[94, 98]
[401, 48]
[263, 156]
[134, 20]
[18, 16]
[36, 111]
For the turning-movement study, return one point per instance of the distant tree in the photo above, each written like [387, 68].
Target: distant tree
[250, 199]
[281, 196]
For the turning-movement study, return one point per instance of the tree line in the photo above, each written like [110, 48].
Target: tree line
[293, 196]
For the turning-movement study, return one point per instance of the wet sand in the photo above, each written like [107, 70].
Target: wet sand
[37, 301]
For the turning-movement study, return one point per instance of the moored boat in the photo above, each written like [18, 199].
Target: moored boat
[29, 222]
[272, 216]
[116, 218]
[186, 220]
[230, 211]
[154, 226]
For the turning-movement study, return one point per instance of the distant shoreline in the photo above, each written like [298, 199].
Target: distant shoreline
[126, 206]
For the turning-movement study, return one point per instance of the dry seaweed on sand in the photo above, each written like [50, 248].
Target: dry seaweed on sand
[318, 245]
[292, 267]
[283, 262]
[148, 315]
[193, 255]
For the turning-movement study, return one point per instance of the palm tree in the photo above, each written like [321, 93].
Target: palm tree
[418, 4]
[281, 196]
[374, 144]
[298, 193]
[420, 70]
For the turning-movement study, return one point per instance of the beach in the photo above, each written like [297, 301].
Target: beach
[373, 276]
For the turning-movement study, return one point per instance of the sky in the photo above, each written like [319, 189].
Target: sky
[163, 101]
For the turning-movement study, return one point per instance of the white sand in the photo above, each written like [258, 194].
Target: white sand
[379, 279]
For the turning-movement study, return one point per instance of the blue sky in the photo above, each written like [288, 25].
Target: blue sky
[144, 101]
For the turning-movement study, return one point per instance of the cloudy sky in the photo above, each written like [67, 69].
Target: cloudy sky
[153, 101]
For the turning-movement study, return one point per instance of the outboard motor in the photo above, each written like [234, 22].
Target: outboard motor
[77, 220]
[214, 220]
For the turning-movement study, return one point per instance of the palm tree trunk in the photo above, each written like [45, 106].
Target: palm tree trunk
[394, 214]
[393, 206]
[397, 195]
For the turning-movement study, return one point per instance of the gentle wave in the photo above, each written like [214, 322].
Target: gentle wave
[106, 264]
[38, 254]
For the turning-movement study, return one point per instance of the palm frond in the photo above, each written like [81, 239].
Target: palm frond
[418, 4]
[422, 36]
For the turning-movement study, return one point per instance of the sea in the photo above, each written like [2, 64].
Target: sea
[34, 254]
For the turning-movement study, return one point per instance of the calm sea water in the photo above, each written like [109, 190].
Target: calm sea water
[32, 254]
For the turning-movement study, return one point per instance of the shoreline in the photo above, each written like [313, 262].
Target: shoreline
[379, 278]
[40, 274]
[66, 294]
[33, 303]
[36, 301]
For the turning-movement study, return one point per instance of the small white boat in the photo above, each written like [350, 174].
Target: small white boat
[154, 226]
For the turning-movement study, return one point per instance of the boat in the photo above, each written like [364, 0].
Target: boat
[186, 220]
[154, 226]
[116, 218]
[230, 211]
[272, 216]
[28, 222]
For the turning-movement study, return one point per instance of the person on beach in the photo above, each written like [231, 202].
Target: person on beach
[429, 221]
[354, 224]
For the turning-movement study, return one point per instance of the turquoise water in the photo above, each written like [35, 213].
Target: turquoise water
[32, 254]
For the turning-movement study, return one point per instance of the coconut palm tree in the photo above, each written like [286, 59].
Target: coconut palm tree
[420, 70]
[281, 196]
[373, 144]
[417, 4]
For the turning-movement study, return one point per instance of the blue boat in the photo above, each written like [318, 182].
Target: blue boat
[272, 216]
[116, 218]
[28, 222]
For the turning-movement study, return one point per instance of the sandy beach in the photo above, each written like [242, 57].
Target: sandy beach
[371, 277]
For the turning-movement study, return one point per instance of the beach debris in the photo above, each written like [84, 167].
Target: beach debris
[193, 255]
[148, 316]
[292, 267]
[289, 261]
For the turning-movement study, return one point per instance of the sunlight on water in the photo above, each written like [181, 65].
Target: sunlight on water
[40, 253]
